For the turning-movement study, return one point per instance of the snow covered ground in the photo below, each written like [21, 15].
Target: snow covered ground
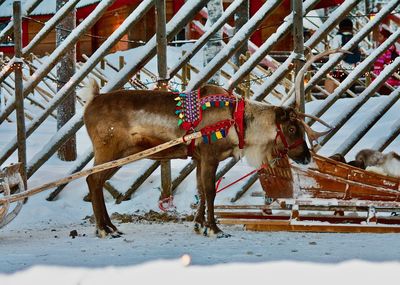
[37, 247]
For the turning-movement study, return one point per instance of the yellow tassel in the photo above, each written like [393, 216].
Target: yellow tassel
[219, 135]
[177, 98]
[208, 104]
[181, 115]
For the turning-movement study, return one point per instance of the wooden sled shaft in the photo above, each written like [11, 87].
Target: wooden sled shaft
[101, 167]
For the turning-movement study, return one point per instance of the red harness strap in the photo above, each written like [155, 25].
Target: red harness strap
[287, 147]
[238, 116]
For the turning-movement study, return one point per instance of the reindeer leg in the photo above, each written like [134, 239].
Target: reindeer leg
[87, 197]
[199, 218]
[208, 170]
[104, 226]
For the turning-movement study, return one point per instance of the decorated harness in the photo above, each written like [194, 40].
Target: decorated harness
[189, 109]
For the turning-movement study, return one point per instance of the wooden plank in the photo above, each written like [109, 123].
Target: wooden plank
[282, 225]
[298, 41]
[317, 218]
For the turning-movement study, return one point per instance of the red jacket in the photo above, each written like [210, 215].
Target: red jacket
[384, 60]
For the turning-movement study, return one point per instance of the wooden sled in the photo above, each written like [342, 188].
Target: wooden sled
[11, 182]
[325, 196]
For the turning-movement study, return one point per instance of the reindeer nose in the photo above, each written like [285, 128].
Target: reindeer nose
[306, 159]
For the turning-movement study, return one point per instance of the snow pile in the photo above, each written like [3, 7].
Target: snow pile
[176, 272]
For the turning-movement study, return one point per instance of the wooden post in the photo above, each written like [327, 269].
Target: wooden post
[161, 38]
[298, 41]
[247, 84]
[185, 73]
[31, 70]
[241, 18]
[121, 62]
[214, 45]
[366, 9]
[162, 82]
[65, 70]
[19, 96]
[368, 78]
[102, 67]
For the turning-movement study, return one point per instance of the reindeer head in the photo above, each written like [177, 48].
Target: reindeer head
[290, 135]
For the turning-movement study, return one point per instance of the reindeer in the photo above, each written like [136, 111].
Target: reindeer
[375, 161]
[125, 122]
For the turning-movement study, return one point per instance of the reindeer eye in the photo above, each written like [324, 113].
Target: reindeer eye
[292, 130]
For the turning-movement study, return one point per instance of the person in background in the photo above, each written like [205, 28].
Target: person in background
[349, 61]
[385, 59]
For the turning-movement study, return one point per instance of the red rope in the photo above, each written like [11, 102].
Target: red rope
[166, 203]
[236, 181]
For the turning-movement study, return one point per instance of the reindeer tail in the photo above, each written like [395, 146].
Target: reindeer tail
[90, 91]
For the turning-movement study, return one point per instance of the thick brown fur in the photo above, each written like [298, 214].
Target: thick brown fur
[125, 122]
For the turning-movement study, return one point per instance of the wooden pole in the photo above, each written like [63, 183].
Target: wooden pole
[102, 67]
[241, 18]
[161, 38]
[100, 167]
[121, 62]
[65, 70]
[298, 41]
[19, 96]
[214, 45]
[162, 83]
[369, 122]
[389, 140]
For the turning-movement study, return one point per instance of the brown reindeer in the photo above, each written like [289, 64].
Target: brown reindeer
[125, 122]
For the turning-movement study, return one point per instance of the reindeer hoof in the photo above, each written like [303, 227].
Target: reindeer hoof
[101, 233]
[108, 232]
[116, 234]
[197, 228]
[223, 235]
[209, 232]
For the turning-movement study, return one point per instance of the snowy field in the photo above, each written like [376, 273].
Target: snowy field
[36, 248]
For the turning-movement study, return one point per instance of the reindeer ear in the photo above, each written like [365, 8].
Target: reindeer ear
[281, 115]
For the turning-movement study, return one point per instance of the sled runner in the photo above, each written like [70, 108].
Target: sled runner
[327, 196]
[11, 182]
